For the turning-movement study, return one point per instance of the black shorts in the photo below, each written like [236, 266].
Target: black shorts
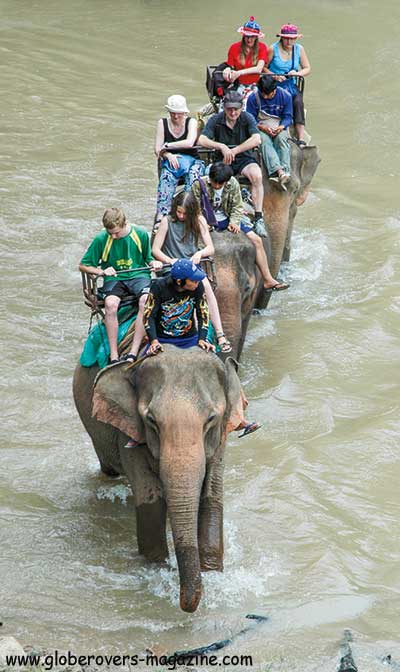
[120, 288]
[241, 162]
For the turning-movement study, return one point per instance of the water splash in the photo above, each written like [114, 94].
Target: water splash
[120, 491]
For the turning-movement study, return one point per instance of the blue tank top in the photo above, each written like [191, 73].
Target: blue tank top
[280, 67]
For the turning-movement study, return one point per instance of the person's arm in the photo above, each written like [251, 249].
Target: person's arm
[188, 142]
[95, 270]
[233, 75]
[226, 73]
[159, 241]
[226, 152]
[208, 249]
[255, 69]
[304, 62]
[159, 141]
[235, 203]
[201, 307]
[150, 312]
[146, 251]
[208, 143]
[254, 138]
[196, 191]
[252, 107]
[287, 112]
[207, 138]
[159, 146]
[270, 55]
[92, 258]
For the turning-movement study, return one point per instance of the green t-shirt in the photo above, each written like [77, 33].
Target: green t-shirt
[132, 251]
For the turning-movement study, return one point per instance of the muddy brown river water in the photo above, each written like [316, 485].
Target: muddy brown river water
[312, 501]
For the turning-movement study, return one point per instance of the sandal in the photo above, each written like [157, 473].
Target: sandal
[278, 287]
[128, 358]
[277, 181]
[113, 361]
[225, 346]
[249, 428]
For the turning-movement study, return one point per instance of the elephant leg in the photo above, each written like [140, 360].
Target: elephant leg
[210, 530]
[151, 509]
[107, 470]
[151, 530]
[288, 241]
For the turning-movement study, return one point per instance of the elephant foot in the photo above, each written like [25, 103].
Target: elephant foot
[211, 563]
[108, 471]
[160, 557]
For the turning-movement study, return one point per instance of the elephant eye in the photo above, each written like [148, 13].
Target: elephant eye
[151, 421]
[211, 420]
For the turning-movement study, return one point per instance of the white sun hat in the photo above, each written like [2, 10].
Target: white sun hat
[177, 103]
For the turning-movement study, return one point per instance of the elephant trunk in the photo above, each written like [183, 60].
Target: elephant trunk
[182, 471]
[187, 555]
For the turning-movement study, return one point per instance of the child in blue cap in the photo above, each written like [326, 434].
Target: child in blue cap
[171, 305]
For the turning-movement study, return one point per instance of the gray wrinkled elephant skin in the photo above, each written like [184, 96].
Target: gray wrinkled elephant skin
[180, 406]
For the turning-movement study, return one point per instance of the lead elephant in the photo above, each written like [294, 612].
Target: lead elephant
[180, 405]
[239, 287]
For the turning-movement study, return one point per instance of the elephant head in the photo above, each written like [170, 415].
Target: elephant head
[239, 287]
[180, 406]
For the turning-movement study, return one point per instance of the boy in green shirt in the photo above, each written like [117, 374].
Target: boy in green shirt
[121, 247]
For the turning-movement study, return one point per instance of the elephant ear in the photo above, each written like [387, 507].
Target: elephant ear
[115, 401]
[236, 401]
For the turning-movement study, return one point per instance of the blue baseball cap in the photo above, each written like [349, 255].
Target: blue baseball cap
[184, 268]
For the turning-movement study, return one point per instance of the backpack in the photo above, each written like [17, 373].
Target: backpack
[216, 84]
[205, 205]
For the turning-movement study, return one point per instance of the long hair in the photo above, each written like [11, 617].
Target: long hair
[253, 51]
[187, 200]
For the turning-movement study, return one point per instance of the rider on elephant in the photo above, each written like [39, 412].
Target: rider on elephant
[234, 135]
[171, 305]
[185, 234]
[119, 254]
[225, 201]
[169, 318]
[271, 106]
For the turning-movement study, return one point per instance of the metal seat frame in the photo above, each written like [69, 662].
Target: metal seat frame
[95, 302]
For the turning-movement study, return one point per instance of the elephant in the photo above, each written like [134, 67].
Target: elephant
[239, 288]
[179, 406]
